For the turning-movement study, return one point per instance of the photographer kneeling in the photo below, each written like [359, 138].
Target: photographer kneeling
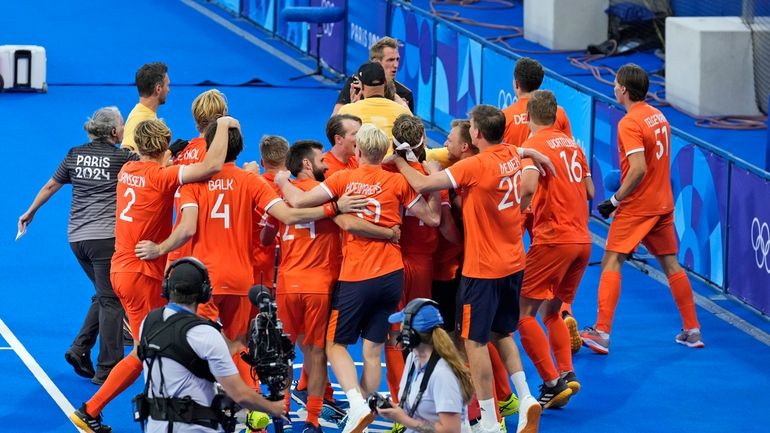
[180, 394]
[436, 385]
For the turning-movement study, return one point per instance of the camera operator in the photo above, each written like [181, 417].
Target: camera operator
[180, 394]
[436, 386]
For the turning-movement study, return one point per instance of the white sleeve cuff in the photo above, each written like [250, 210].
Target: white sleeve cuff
[272, 203]
[326, 188]
[451, 178]
[632, 151]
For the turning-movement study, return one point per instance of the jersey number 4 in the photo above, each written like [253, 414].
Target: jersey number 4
[221, 211]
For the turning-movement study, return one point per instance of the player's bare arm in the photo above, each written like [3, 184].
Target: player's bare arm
[541, 161]
[637, 168]
[215, 156]
[298, 198]
[419, 182]
[529, 180]
[346, 204]
[188, 224]
[588, 182]
[363, 228]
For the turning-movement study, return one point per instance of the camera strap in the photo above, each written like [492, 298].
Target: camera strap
[429, 367]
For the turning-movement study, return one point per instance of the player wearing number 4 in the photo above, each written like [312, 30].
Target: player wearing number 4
[644, 211]
[560, 249]
[488, 300]
[145, 202]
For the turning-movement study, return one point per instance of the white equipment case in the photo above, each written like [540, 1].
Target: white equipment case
[22, 68]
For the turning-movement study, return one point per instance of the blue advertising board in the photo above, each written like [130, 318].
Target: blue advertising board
[366, 23]
[416, 32]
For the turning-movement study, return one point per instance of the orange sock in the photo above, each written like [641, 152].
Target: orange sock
[682, 291]
[121, 377]
[500, 374]
[394, 367]
[536, 345]
[558, 338]
[609, 293]
[244, 370]
[566, 308]
[314, 406]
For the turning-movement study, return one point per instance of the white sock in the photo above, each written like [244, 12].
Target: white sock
[488, 413]
[355, 398]
[520, 383]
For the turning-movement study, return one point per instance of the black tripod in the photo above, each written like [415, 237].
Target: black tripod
[318, 69]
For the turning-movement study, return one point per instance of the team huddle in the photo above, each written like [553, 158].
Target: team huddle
[349, 236]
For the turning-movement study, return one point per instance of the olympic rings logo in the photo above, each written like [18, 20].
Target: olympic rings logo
[504, 99]
[760, 241]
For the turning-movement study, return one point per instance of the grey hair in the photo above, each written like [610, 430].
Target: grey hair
[102, 122]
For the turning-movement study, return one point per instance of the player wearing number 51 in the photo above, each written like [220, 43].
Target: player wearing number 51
[644, 211]
[92, 169]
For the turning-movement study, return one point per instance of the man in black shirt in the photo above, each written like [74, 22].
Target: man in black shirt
[385, 52]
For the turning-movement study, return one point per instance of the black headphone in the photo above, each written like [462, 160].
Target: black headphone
[408, 336]
[205, 291]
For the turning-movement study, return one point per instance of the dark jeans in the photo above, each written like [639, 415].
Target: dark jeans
[105, 315]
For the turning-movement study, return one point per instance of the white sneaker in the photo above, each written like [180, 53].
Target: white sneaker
[358, 419]
[529, 415]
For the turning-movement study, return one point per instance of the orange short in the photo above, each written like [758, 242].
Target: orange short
[305, 314]
[554, 271]
[656, 232]
[418, 278]
[139, 295]
[232, 311]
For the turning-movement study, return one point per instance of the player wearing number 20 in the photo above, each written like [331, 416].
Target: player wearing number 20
[561, 247]
[645, 210]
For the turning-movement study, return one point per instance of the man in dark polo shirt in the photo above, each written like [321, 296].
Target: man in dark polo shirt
[385, 52]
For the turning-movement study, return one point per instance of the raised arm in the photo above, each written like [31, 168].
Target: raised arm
[188, 224]
[215, 155]
[429, 212]
[421, 183]
[46, 192]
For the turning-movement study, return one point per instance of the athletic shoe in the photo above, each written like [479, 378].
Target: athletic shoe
[332, 413]
[554, 396]
[529, 415]
[310, 428]
[81, 362]
[358, 419]
[299, 396]
[257, 421]
[597, 341]
[572, 382]
[88, 423]
[691, 338]
[574, 334]
[508, 406]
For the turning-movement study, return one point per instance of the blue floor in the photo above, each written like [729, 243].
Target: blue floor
[648, 383]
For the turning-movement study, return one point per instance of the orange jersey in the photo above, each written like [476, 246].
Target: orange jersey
[365, 258]
[225, 219]
[645, 129]
[416, 236]
[144, 211]
[310, 253]
[490, 194]
[517, 122]
[334, 165]
[194, 152]
[560, 205]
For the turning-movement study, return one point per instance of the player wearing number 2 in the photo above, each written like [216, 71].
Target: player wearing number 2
[493, 267]
[645, 211]
[560, 249]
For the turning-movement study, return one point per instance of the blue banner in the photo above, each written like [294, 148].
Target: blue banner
[579, 108]
[332, 38]
[295, 33]
[458, 76]
[749, 239]
[231, 5]
[261, 12]
[416, 33]
[699, 182]
[366, 24]
[497, 79]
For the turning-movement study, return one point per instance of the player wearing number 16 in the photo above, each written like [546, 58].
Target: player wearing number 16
[644, 210]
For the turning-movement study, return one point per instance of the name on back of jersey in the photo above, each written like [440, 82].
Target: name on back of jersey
[132, 180]
[654, 120]
[561, 142]
[360, 188]
[220, 184]
[509, 167]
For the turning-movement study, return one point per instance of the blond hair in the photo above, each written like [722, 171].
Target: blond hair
[152, 137]
[207, 107]
[274, 149]
[376, 50]
[372, 142]
[443, 345]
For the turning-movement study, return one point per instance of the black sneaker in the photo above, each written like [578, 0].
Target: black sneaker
[572, 382]
[81, 362]
[100, 377]
[87, 423]
[554, 396]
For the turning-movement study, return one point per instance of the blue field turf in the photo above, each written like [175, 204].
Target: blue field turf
[647, 383]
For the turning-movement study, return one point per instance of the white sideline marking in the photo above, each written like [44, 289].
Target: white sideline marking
[6, 348]
[700, 300]
[37, 371]
[254, 40]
